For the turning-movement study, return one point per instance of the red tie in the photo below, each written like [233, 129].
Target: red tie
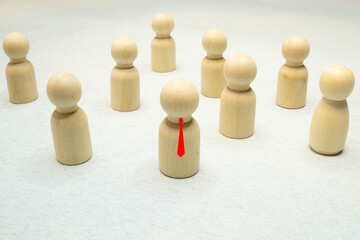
[181, 148]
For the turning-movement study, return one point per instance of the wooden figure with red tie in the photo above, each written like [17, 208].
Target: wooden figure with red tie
[179, 132]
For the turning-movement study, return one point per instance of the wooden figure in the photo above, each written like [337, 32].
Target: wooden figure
[179, 130]
[330, 122]
[293, 75]
[212, 76]
[125, 80]
[20, 74]
[69, 124]
[238, 100]
[163, 45]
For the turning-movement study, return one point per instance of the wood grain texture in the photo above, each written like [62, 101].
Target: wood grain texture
[71, 136]
[329, 127]
[21, 82]
[292, 87]
[212, 77]
[169, 162]
[125, 89]
[237, 111]
[163, 57]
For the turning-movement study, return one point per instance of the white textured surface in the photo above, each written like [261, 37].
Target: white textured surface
[269, 186]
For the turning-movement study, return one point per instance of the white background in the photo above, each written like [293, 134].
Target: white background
[269, 186]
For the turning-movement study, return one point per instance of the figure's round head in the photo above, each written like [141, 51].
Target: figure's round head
[124, 51]
[16, 46]
[337, 83]
[179, 98]
[239, 71]
[295, 49]
[162, 24]
[214, 43]
[64, 91]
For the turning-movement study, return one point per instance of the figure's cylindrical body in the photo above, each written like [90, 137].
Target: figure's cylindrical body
[163, 54]
[329, 127]
[170, 163]
[212, 77]
[292, 87]
[237, 113]
[71, 137]
[21, 82]
[125, 89]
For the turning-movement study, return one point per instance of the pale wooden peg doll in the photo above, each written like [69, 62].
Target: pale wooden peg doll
[125, 79]
[163, 45]
[293, 75]
[69, 124]
[238, 100]
[212, 76]
[330, 121]
[179, 132]
[20, 74]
